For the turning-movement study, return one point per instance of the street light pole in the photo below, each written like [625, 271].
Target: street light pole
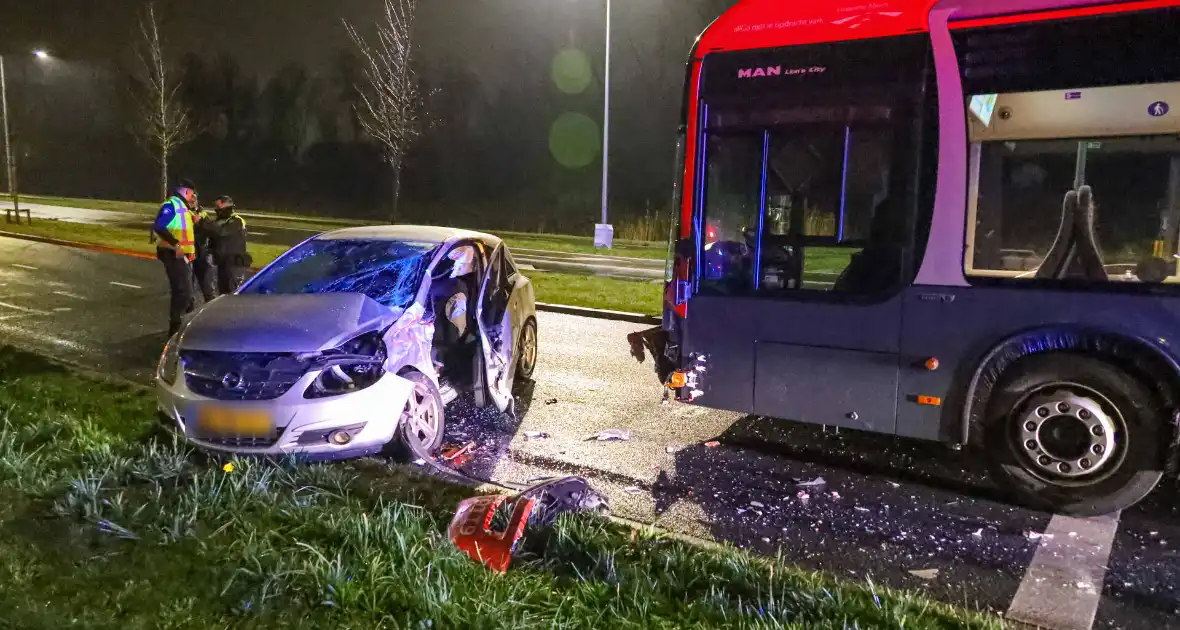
[604, 233]
[10, 168]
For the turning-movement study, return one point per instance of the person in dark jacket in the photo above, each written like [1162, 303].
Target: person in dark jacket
[229, 247]
[204, 232]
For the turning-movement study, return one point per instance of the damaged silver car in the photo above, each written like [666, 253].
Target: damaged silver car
[352, 342]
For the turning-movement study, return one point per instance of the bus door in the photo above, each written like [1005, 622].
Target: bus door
[797, 307]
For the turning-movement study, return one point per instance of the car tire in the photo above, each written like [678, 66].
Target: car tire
[527, 363]
[421, 437]
[1074, 435]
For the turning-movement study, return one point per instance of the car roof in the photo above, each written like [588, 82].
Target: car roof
[418, 233]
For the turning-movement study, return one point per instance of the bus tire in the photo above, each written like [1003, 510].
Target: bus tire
[1074, 435]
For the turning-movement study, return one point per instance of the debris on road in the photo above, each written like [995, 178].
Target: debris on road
[539, 506]
[551, 401]
[535, 435]
[1031, 535]
[977, 533]
[457, 456]
[756, 504]
[925, 574]
[671, 448]
[610, 435]
[803, 497]
[818, 481]
[633, 490]
[713, 444]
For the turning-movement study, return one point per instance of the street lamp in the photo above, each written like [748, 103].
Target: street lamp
[10, 166]
[603, 232]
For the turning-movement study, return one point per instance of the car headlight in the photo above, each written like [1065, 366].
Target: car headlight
[169, 366]
[355, 365]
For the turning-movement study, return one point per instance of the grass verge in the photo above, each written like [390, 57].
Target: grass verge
[574, 290]
[107, 522]
[288, 221]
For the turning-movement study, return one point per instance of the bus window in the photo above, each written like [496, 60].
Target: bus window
[1075, 161]
[810, 206]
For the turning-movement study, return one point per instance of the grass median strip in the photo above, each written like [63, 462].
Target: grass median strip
[571, 289]
[105, 521]
[288, 221]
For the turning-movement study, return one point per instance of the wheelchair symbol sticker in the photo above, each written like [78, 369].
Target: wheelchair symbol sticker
[1158, 108]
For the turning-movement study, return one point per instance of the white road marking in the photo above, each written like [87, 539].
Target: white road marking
[258, 233]
[62, 309]
[30, 268]
[129, 286]
[1063, 584]
[23, 309]
[69, 295]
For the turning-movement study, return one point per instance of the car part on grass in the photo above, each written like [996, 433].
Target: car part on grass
[537, 506]
[471, 531]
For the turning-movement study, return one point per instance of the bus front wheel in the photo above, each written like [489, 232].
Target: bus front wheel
[1074, 435]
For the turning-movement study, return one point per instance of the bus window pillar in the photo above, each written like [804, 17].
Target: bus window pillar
[1171, 216]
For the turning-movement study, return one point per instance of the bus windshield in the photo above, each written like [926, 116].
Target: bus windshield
[809, 189]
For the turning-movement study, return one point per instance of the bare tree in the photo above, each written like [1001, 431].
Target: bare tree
[164, 121]
[392, 105]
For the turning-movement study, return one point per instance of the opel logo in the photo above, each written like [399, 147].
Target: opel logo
[232, 381]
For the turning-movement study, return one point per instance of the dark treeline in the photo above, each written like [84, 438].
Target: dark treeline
[490, 156]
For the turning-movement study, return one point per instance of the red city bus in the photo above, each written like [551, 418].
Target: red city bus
[949, 220]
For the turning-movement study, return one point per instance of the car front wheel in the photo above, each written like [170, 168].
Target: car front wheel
[422, 422]
[1075, 435]
[528, 350]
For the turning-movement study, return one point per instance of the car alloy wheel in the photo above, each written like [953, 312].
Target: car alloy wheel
[528, 350]
[422, 416]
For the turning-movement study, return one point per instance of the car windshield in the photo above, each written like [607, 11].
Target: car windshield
[389, 272]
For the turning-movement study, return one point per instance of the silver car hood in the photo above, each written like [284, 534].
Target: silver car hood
[283, 323]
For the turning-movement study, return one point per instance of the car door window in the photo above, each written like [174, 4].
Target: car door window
[495, 299]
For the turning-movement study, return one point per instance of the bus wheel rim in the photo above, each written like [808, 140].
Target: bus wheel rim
[1069, 435]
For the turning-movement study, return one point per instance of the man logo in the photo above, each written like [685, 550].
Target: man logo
[1158, 108]
[769, 71]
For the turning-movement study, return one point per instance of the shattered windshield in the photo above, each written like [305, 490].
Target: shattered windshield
[389, 272]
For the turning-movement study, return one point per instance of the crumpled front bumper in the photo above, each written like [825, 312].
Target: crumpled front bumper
[301, 425]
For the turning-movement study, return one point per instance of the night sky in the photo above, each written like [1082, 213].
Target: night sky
[265, 35]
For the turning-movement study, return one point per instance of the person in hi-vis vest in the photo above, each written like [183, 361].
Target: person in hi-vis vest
[176, 249]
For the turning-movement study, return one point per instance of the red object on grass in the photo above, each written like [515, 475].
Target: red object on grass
[471, 532]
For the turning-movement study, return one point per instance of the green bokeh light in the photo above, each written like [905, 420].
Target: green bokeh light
[571, 71]
[573, 140]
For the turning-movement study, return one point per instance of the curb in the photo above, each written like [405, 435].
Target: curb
[581, 311]
[597, 313]
[77, 245]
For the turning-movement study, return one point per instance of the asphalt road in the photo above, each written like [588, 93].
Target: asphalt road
[262, 231]
[885, 507]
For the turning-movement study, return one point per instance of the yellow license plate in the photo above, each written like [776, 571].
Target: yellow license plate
[219, 422]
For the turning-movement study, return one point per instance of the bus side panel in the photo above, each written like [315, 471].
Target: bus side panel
[957, 326]
[785, 340]
[842, 388]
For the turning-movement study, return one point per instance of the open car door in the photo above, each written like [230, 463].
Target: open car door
[495, 334]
